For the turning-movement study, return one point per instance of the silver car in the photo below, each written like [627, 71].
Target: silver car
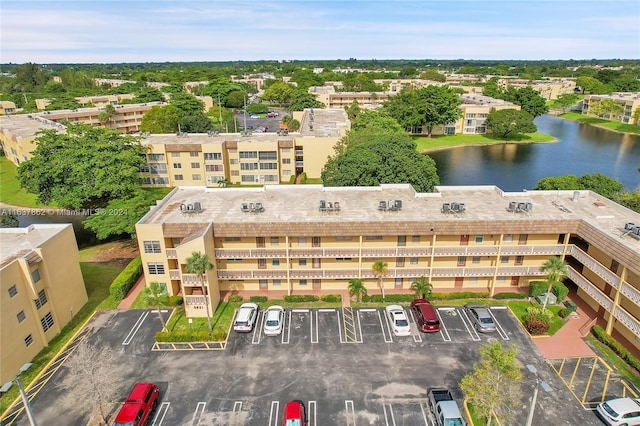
[273, 320]
[245, 318]
[480, 317]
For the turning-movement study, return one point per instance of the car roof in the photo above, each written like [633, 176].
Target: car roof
[480, 309]
[139, 391]
[624, 405]
[293, 409]
[428, 312]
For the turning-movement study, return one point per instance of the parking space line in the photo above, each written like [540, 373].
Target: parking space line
[311, 413]
[199, 412]
[443, 329]
[350, 413]
[340, 328]
[237, 406]
[135, 328]
[415, 333]
[424, 405]
[314, 336]
[273, 413]
[389, 416]
[257, 330]
[326, 310]
[159, 417]
[501, 331]
[288, 329]
[388, 339]
[472, 331]
[300, 310]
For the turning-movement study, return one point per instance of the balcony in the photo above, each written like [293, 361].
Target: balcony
[323, 252]
[195, 300]
[256, 253]
[524, 250]
[593, 291]
[466, 251]
[172, 254]
[190, 279]
[174, 274]
[594, 265]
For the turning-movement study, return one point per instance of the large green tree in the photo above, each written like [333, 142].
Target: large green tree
[528, 99]
[301, 100]
[83, 167]
[161, 119]
[374, 155]
[279, 93]
[597, 182]
[494, 386]
[605, 107]
[425, 107]
[509, 123]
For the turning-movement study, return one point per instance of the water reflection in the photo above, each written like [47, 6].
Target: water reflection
[580, 149]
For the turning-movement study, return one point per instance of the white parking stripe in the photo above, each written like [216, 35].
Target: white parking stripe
[300, 310]
[367, 309]
[199, 411]
[237, 406]
[415, 332]
[162, 411]
[273, 413]
[424, 406]
[311, 413]
[387, 339]
[340, 329]
[443, 329]
[326, 310]
[135, 328]
[465, 319]
[257, 330]
[350, 413]
[288, 329]
[389, 416]
[314, 336]
[501, 331]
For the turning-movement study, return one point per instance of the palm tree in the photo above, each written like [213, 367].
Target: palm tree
[156, 295]
[198, 264]
[357, 288]
[422, 287]
[380, 269]
[556, 269]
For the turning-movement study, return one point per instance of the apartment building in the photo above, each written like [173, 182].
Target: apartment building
[549, 88]
[18, 133]
[41, 289]
[7, 107]
[96, 101]
[278, 240]
[629, 101]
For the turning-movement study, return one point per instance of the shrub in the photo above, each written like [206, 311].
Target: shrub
[536, 288]
[257, 108]
[292, 179]
[126, 279]
[537, 312]
[190, 336]
[536, 326]
[565, 312]
[570, 305]
[509, 295]
[560, 290]
[299, 298]
[330, 298]
[459, 295]
[175, 301]
[258, 299]
[600, 334]
[235, 298]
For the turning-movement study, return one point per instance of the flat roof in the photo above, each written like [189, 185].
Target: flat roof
[19, 242]
[26, 126]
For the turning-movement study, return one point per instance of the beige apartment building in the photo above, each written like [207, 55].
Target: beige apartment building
[302, 239]
[96, 101]
[629, 101]
[41, 290]
[7, 107]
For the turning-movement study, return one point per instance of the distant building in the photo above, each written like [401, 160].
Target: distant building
[41, 290]
[7, 107]
[629, 101]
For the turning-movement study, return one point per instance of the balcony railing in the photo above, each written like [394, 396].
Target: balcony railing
[172, 254]
[174, 274]
[590, 289]
[524, 249]
[465, 251]
[190, 279]
[195, 300]
[627, 319]
[594, 265]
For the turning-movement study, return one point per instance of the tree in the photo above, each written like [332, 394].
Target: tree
[492, 89]
[279, 93]
[63, 101]
[433, 75]
[605, 107]
[352, 110]
[8, 220]
[528, 99]
[408, 72]
[565, 100]
[236, 99]
[187, 104]
[155, 294]
[380, 269]
[592, 85]
[90, 379]
[84, 167]
[379, 118]
[494, 386]
[374, 155]
[30, 77]
[556, 269]
[159, 119]
[508, 123]
[425, 107]
[422, 288]
[357, 288]
[148, 94]
[199, 264]
[199, 123]
[300, 101]
[597, 182]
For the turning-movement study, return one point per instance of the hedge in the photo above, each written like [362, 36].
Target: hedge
[175, 301]
[235, 298]
[377, 298]
[460, 295]
[600, 334]
[329, 298]
[258, 299]
[190, 336]
[126, 279]
[570, 305]
[509, 295]
[301, 298]
[536, 288]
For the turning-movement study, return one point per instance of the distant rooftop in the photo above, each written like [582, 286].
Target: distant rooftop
[477, 99]
[20, 242]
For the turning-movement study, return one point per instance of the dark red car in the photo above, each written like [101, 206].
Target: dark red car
[139, 405]
[426, 317]
[294, 414]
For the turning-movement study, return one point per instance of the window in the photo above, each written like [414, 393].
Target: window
[286, 150]
[614, 266]
[177, 165]
[212, 156]
[275, 241]
[275, 262]
[152, 246]
[156, 268]
[415, 239]
[35, 275]
[195, 165]
[315, 241]
[178, 177]
[342, 238]
[302, 262]
[263, 284]
[303, 283]
[373, 238]
[196, 177]
[286, 161]
[28, 340]
[13, 291]
[519, 260]
[302, 241]
[233, 161]
[398, 282]
[157, 169]
[400, 262]
[229, 239]
[267, 155]
[175, 154]
[479, 239]
[156, 157]
[249, 178]
[522, 239]
[413, 260]
[41, 300]
[476, 259]
[47, 322]
[316, 262]
[248, 166]
[248, 154]
[508, 238]
[193, 154]
[268, 166]
[260, 242]
[402, 240]
[262, 263]
[504, 259]
[214, 167]
[21, 316]
[462, 260]
[277, 283]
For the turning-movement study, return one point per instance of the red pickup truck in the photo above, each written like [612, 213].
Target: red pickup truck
[139, 405]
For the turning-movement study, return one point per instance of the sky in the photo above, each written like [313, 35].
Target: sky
[96, 31]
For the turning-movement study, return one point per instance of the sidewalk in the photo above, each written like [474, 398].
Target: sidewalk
[133, 293]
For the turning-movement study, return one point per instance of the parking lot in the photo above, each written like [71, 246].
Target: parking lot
[375, 379]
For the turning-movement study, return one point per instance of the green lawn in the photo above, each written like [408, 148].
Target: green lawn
[519, 308]
[601, 122]
[426, 144]
[10, 190]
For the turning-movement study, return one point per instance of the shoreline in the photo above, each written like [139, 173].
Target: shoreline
[442, 148]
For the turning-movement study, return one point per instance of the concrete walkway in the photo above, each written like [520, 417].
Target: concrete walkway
[133, 293]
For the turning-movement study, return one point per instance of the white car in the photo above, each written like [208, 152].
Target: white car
[273, 320]
[245, 317]
[620, 411]
[398, 319]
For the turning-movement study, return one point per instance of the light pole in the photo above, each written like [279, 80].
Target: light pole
[534, 399]
[23, 394]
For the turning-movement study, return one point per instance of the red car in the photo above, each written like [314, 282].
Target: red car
[294, 414]
[139, 405]
[426, 316]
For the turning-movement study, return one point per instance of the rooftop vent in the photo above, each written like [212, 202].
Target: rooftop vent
[252, 208]
[195, 207]
[455, 208]
[329, 206]
[520, 207]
